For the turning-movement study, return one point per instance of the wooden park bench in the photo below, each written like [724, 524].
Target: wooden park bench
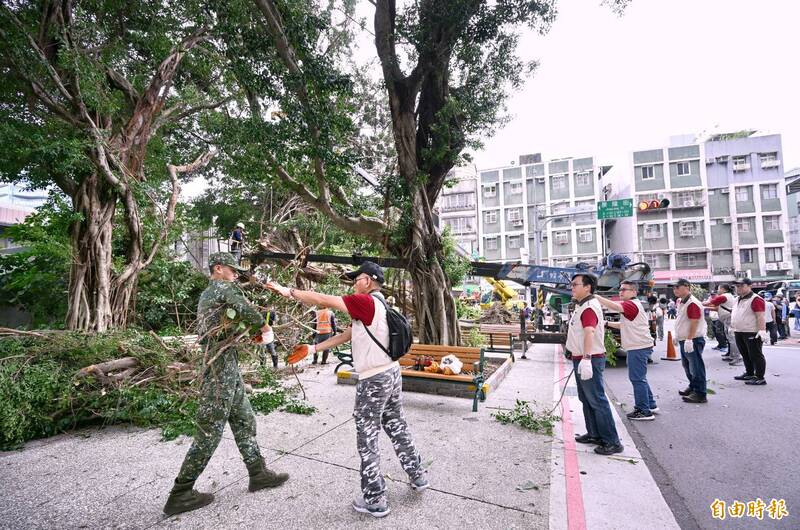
[473, 366]
[501, 338]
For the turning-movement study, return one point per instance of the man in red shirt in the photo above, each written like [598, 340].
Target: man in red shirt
[690, 336]
[379, 402]
[749, 328]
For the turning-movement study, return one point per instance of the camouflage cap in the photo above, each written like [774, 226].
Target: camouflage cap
[225, 258]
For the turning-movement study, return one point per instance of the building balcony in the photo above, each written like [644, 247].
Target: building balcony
[459, 208]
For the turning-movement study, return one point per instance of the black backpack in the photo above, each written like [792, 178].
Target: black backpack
[400, 337]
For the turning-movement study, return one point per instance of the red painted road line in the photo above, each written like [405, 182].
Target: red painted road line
[576, 515]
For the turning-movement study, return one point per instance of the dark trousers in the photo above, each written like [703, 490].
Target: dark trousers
[772, 329]
[322, 337]
[751, 348]
[780, 328]
[719, 334]
[596, 409]
[693, 365]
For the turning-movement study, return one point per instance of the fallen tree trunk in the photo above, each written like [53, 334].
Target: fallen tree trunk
[109, 366]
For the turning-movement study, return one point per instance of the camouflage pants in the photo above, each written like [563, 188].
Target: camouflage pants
[222, 400]
[379, 404]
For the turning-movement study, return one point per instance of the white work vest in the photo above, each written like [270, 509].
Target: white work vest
[368, 358]
[683, 321]
[575, 331]
[743, 319]
[635, 334]
[726, 310]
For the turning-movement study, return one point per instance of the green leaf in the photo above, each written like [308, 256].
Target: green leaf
[230, 313]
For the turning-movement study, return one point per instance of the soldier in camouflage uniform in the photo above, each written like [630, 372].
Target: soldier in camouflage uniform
[222, 308]
[379, 400]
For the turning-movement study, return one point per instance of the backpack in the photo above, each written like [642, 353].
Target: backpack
[400, 337]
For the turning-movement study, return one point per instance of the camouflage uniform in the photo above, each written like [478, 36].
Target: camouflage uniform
[222, 395]
[379, 404]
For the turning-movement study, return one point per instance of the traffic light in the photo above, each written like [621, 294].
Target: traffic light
[655, 204]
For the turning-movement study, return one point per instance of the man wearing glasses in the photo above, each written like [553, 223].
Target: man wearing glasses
[585, 338]
[379, 401]
[690, 337]
[638, 344]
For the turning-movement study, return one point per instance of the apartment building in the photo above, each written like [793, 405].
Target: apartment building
[517, 201]
[727, 215]
[793, 213]
[457, 208]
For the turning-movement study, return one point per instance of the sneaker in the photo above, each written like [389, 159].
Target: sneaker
[420, 483]
[609, 449]
[378, 510]
[736, 362]
[586, 439]
[694, 397]
[685, 392]
[756, 381]
[638, 415]
[726, 358]
[655, 410]
[744, 377]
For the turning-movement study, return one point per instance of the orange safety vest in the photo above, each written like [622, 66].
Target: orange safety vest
[324, 321]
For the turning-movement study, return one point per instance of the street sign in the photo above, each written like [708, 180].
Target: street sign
[614, 209]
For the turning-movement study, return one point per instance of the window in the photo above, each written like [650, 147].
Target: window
[769, 191]
[561, 238]
[652, 260]
[490, 191]
[514, 241]
[491, 243]
[582, 178]
[744, 225]
[746, 255]
[688, 229]
[653, 231]
[740, 163]
[772, 222]
[687, 260]
[683, 169]
[768, 160]
[457, 201]
[774, 254]
[743, 194]
[514, 214]
[515, 188]
[684, 198]
[490, 217]
[460, 225]
[586, 235]
[559, 182]
[559, 208]
[648, 172]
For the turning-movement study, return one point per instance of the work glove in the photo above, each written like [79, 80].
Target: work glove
[278, 288]
[300, 352]
[585, 368]
[763, 335]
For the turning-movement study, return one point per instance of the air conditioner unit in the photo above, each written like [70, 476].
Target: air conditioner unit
[709, 160]
[726, 220]
[786, 265]
[726, 191]
[772, 266]
[688, 203]
[518, 222]
[722, 159]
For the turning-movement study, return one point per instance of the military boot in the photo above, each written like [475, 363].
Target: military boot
[261, 477]
[183, 498]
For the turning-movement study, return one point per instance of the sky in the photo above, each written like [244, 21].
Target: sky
[609, 85]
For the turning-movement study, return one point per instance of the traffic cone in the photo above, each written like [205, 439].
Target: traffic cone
[671, 354]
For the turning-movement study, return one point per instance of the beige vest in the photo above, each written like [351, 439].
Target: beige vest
[725, 311]
[743, 319]
[368, 358]
[575, 331]
[683, 322]
[635, 334]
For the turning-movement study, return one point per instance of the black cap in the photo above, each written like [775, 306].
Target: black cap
[744, 281]
[681, 282]
[373, 270]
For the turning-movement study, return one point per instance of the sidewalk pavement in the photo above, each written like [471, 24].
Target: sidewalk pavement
[119, 477]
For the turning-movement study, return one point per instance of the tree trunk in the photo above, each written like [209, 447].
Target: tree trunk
[89, 304]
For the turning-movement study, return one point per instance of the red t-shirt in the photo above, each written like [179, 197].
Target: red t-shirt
[360, 307]
[589, 319]
[758, 305]
[694, 312]
[629, 309]
[718, 300]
